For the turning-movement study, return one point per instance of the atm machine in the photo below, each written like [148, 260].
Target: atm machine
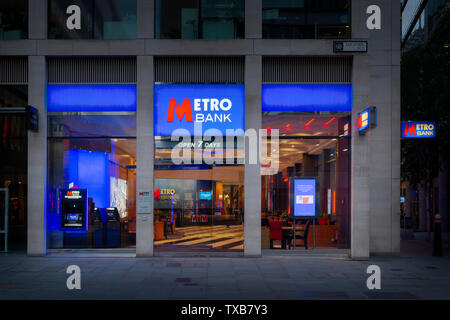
[112, 228]
[99, 227]
[74, 219]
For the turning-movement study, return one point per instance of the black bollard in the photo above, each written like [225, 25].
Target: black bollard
[437, 243]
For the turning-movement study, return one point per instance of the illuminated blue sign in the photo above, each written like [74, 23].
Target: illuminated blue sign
[91, 97]
[181, 106]
[304, 197]
[367, 119]
[418, 129]
[205, 195]
[306, 97]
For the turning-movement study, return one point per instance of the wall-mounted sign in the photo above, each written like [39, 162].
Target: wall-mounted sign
[418, 129]
[144, 201]
[367, 119]
[220, 107]
[32, 118]
[306, 97]
[91, 97]
[350, 46]
[346, 129]
[303, 197]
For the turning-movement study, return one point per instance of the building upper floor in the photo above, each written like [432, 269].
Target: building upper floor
[176, 19]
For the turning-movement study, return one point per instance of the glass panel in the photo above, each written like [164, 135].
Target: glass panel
[203, 203]
[312, 155]
[199, 19]
[99, 19]
[115, 19]
[13, 162]
[88, 124]
[106, 169]
[13, 19]
[13, 96]
[306, 19]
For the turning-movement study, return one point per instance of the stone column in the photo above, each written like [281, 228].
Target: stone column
[360, 181]
[37, 19]
[37, 160]
[37, 141]
[253, 19]
[252, 175]
[145, 19]
[360, 194]
[145, 153]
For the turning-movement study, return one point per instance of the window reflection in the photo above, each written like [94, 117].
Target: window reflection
[13, 19]
[199, 19]
[306, 19]
[99, 19]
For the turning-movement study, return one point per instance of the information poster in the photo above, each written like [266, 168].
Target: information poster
[144, 201]
[304, 197]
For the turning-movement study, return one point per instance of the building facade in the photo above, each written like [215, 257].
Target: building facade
[99, 72]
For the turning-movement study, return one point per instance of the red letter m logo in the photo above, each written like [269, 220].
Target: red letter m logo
[410, 129]
[185, 109]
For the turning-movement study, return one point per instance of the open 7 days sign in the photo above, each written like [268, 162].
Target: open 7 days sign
[220, 107]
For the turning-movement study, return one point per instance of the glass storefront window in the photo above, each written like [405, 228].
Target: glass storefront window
[104, 172]
[306, 19]
[13, 19]
[311, 145]
[92, 19]
[199, 19]
[199, 206]
[13, 162]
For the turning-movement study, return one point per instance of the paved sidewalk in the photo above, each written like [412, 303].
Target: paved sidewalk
[307, 276]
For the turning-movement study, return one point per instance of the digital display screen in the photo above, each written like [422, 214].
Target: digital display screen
[304, 197]
[118, 195]
[205, 195]
[72, 217]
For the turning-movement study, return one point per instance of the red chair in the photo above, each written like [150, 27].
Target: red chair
[276, 232]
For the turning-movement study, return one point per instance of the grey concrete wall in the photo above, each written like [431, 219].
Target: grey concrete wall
[37, 19]
[360, 195]
[145, 153]
[253, 19]
[145, 19]
[252, 172]
[385, 139]
[37, 159]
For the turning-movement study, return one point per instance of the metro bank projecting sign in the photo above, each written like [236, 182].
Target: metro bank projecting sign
[418, 129]
[215, 106]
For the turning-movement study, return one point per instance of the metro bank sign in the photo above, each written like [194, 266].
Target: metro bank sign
[418, 129]
[215, 106]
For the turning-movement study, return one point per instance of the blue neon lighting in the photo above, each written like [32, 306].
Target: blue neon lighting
[91, 97]
[306, 97]
[235, 116]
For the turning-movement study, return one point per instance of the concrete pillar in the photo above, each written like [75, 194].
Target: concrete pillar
[37, 19]
[253, 19]
[37, 160]
[360, 193]
[145, 19]
[145, 153]
[384, 170]
[252, 175]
